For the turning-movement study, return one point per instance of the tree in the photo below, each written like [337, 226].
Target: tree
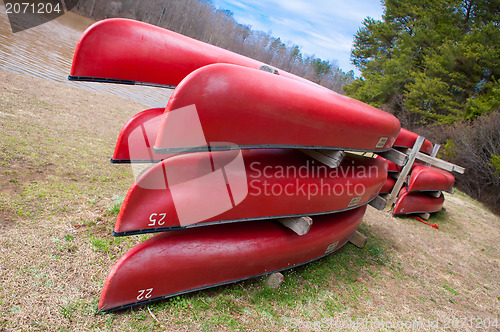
[430, 60]
[321, 68]
[200, 19]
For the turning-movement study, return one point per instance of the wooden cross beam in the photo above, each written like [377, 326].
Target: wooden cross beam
[405, 171]
[331, 158]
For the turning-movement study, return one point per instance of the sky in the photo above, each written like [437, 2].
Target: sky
[323, 28]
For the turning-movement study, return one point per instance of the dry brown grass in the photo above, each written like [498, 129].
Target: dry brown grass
[56, 191]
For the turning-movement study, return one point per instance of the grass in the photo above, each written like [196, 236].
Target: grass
[99, 244]
[117, 204]
[451, 290]
[60, 196]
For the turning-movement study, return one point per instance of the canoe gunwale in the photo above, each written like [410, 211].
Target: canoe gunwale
[221, 222]
[259, 146]
[416, 212]
[135, 161]
[229, 148]
[117, 81]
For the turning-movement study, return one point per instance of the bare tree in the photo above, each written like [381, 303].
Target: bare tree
[201, 20]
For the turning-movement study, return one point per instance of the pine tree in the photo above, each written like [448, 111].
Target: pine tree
[430, 60]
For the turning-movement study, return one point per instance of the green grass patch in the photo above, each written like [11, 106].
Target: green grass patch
[441, 217]
[69, 237]
[99, 244]
[67, 310]
[117, 205]
[451, 290]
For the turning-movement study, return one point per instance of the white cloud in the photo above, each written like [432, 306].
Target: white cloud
[324, 28]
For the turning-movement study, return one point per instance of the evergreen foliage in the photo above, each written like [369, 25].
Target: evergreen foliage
[430, 61]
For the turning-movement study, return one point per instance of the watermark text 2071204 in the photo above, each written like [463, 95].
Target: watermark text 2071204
[417, 324]
[26, 14]
[32, 8]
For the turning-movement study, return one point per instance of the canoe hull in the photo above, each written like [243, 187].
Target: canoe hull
[179, 262]
[427, 178]
[391, 167]
[411, 203]
[255, 109]
[266, 184]
[388, 185]
[406, 139]
[136, 139]
[148, 55]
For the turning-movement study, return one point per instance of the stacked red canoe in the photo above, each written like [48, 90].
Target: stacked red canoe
[422, 191]
[227, 153]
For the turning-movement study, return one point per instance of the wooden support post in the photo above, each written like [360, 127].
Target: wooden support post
[424, 215]
[275, 280]
[440, 163]
[397, 157]
[394, 175]
[331, 158]
[435, 150]
[358, 239]
[405, 171]
[299, 225]
[434, 193]
[378, 203]
[404, 150]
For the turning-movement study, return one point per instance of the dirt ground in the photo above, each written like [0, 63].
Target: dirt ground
[58, 199]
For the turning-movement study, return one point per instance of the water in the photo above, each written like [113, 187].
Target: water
[46, 51]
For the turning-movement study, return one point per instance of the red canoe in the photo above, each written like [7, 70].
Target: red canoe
[409, 203]
[174, 263]
[391, 167]
[254, 109]
[406, 139]
[427, 178]
[388, 185]
[131, 52]
[136, 139]
[244, 185]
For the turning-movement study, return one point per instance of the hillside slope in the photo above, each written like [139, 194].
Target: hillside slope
[59, 196]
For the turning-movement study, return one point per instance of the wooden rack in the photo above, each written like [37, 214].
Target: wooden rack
[406, 158]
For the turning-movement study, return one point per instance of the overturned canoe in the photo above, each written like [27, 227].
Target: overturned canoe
[136, 139]
[388, 185]
[428, 178]
[410, 203]
[131, 52]
[231, 186]
[391, 167]
[406, 139]
[174, 263]
[254, 109]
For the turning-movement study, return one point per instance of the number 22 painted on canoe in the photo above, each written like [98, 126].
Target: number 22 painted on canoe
[144, 294]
